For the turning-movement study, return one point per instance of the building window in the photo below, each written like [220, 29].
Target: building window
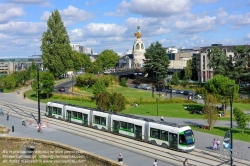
[142, 46]
[137, 46]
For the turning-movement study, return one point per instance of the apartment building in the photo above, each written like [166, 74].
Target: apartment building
[202, 59]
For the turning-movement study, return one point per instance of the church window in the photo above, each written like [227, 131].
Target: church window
[142, 46]
[137, 46]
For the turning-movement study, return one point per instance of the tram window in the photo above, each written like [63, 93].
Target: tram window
[131, 127]
[54, 110]
[97, 119]
[124, 125]
[59, 111]
[74, 115]
[182, 139]
[154, 133]
[79, 115]
[103, 121]
[164, 135]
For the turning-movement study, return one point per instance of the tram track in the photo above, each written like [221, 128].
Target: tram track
[195, 157]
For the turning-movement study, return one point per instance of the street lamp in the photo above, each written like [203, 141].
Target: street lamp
[171, 91]
[231, 96]
[38, 94]
[72, 82]
[157, 105]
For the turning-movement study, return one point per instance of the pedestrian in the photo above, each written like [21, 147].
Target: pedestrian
[120, 158]
[155, 163]
[218, 144]
[162, 118]
[185, 162]
[8, 116]
[24, 95]
[214, 144]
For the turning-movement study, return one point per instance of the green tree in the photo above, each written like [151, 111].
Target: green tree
[188, 70]
[157, 61]
[107, 59]
[123, 82]
[56, 49]
[47, 83]
[241, 57]
[86, 80]
[9, 81]
[99, 87]
[218, 61]
[184, 82]
[175, 79]
[117, 102]
[210, 111]
[241, 118]
[102, 100]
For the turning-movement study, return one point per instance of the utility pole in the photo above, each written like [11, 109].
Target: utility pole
[38, 94]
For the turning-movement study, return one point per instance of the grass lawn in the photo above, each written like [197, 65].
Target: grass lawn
[127, 92]
[220, 131]
[242, 106]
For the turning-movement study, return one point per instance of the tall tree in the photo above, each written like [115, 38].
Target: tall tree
[241, 118]
[218, 61]
[241, 57]
[175, 79]
[188, 70]
[107, 59]
[219, 87]
[103, 100]
[99, 87]
[210, 111]
[56, 50]
[47, 83]
[157, 61]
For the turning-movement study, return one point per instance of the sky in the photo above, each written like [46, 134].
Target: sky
[111, 24]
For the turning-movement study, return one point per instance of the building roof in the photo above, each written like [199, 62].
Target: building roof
[230, 48]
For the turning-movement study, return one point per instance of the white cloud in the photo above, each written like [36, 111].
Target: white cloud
[248, 36]
[196, 25]
[162, 8]
[23, 28]
[99, 30]
[206, 1]
[70, 15]
[27, 1]
[221, 17]
[240, 20]
[8, 12]
[93, 2]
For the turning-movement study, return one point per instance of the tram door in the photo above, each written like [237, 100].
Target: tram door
[138, 132]
[85, 119]
[68, 115]
[173, 141]
[116, 126]
[50, 111]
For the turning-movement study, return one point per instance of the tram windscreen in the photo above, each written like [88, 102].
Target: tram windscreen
[189, 136]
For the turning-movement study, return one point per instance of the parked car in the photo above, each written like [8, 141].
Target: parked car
[136, 86]
[147, 87]
[169, 90]
[62, 89]
[179, 91]
[186, 92]
[160, 89]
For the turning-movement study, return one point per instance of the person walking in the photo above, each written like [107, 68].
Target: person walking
[155, 163]
[214, 144]
[8, 116]
[120, 158]
[24, 95]
[162, 118]
[185, 162]
[218, 144]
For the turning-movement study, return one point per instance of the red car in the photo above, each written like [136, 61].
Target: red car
[62, 89]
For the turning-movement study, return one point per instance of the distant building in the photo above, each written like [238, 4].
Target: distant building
[202, 60]
[89, 51]
[126, 61]
[13, 64]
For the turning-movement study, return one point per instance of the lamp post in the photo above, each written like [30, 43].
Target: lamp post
[38, 94]
[171, 92]
[157, 105]
[231, 93]
[72, 82]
